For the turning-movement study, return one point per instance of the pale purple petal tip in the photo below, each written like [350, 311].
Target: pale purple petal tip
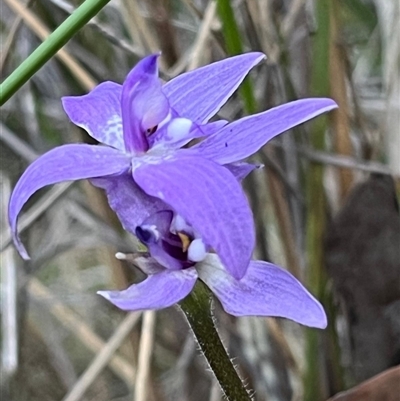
[200, 93]
[242, 169]
[210, 199]
[64, 163]
[99, 113]
[156, 292]
[265, 290]
[242, 138]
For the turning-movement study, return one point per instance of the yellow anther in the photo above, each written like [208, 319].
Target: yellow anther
[185, 241]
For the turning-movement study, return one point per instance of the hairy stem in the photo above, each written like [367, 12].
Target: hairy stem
[50, 47]
[197, 309]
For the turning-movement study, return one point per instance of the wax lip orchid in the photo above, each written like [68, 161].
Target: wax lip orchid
[178, 258]
[142, 167]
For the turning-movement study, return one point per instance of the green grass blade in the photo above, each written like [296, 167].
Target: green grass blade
[49, 47]
[234, 46]
[315, 196]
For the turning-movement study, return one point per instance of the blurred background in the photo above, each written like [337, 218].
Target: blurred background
[325, 205]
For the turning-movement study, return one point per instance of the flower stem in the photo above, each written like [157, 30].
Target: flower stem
[197, 309]
[49, 47]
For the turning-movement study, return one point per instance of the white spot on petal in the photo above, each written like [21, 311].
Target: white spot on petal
[178, 129]
[197, 250]
[112, 132]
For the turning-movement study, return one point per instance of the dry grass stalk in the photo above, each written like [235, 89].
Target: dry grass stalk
[340, 116]
[72, 322]
[103, 357]
[145, 352]
[34, 23]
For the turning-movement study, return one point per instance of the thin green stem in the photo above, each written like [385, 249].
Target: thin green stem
[49, 47]
[233, 43]
[197, 309]
[316, 205]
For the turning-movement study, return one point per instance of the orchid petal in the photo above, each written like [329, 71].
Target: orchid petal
[200, 93]
[155, 233]
[159, 221]
[210, 199]
[242, 169]
[156, 292]
[205, 130]
[131, 204]
[144, 105]
[99, 113]
[244, 137]
[64, 163]
[265, 290]
[179, 132]
[174, 134]
[159, 254]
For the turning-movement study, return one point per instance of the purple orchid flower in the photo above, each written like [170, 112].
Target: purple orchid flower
[142, 168]
[178, 257]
